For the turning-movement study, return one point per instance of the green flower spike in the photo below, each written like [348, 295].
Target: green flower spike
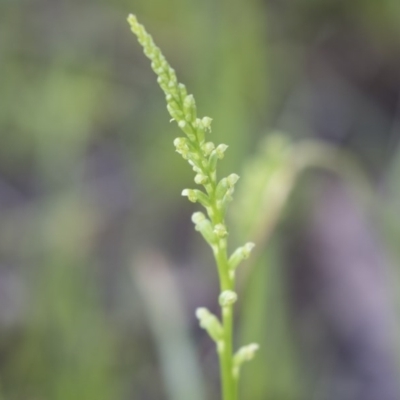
[203, 158]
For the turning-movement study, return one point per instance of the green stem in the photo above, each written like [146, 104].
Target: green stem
[225, 352]
[227, 318]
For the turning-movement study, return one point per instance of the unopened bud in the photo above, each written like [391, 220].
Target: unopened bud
[220, 230]
[206, 122]
[221, 189]
[200, 179]
[239, 255]
[182, 90]
[210, 323]
[181, 146]
[132, 20]
[227, 298]
[208, 148]
[247, 248]
[191, 195]
[172, 75]
[161, 79]
[198, 217]
[212, 160]
[204, 226]
[232, 179]
[220, 150]
[189, 107]
[149, 52]
[174, 112]
[185, 126]
[245, 353]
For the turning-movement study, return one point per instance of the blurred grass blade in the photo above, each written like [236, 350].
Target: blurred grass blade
[161, 298]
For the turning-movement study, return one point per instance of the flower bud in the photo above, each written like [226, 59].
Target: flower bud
[201, 179]
[220, 150]
[181, 146]
[202, 198]
[227, 298]
[185, 126]
[232, 179]
[172, 75]
[247, 248]
[195, 195]
[196, 169]
[182, 90]
[206, 122]
[174, 112]
[210, 323]
[198, 217]
[245, 353]
[191, 195]
[212, 160]
[204, 226]
[193, 162]
[132, 20]
[239, 255]
[149, 52]
[162, 78]
[180, 143]
[220, 230]
[222, 188]
[208, 148]
[189, 107]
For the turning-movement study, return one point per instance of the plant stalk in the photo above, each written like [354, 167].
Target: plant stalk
[202, 157]
[225, 352]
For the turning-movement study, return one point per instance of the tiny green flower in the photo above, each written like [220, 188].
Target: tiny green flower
[220, 150]
[190, 194]
[208, 148]
[220, 230]
[204, 226]
[210, 323]
[227, 298]
[206, 122]
[195, 195]
[201, 179]
[222, 188]
[189, 106]
[240, 254]
[232, 179]
[245, 353]
[182, 147]
[198, 217]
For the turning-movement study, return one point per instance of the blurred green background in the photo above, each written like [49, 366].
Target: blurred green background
[100, 269]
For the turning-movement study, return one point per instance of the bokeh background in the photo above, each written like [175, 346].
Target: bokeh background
[100, 268]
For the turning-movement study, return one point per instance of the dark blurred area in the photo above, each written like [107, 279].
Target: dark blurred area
[100, 267]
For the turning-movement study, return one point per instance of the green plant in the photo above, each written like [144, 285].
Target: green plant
[203, 157]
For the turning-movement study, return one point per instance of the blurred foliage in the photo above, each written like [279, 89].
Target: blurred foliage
[89, 178]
